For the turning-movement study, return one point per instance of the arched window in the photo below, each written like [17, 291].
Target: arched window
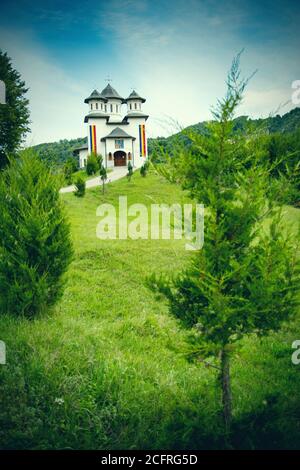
[129, 156]
[105, 108]
[130, 106]
[110, 156]
[96, 105]
[135, 106]
[111, 108]
[91, 105]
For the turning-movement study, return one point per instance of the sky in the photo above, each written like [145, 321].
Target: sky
[175, 53]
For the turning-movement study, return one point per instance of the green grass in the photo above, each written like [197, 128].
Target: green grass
[83, 174]
[106, 368]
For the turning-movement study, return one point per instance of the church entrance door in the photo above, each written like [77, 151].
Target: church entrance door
[120, 158]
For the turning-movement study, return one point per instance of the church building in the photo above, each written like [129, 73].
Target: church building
[119, 137]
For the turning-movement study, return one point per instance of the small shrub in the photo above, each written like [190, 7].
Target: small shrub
[69, 168]
[286, 191]
[80, 187]
[144, 169]
[103, 176]
[99, 159]
[92, 165]
[130, 171]
[35, 245]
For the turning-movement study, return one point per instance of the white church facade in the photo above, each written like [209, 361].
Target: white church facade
[119, 137]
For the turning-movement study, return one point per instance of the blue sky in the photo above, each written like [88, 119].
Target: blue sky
[174, 53]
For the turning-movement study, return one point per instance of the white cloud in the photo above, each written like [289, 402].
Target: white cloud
[177, 59]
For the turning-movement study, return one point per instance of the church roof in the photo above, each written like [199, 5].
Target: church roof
[95, 95]
[135, 96]
[76, 150]
[136, 114]
[110, 92]
[96, 115]
[118, 133]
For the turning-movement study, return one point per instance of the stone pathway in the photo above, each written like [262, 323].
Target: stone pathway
[116, 174]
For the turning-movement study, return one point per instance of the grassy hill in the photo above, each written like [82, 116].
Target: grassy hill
[106, 369]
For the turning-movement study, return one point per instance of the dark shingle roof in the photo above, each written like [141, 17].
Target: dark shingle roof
[77, 149]
[95, 95]
[110, 92]
[135, 96]
[118, 133]
[95, 115]
[136, 114]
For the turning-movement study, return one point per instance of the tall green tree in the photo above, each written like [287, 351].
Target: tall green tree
[245, 279]
[14, 114]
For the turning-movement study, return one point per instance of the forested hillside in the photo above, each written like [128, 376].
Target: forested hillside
[288, 123]
[57, 153]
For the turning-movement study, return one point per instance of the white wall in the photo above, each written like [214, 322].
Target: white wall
[136, 106]
[103, 129]
[83, 154]
[110, 147]
[133, 129]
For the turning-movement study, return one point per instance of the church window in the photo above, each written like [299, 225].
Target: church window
[135, 106]
[130, 106]
[111, 108]
[96, 105]
[110, 156]
[91, 105]
[105, 108]
[140, 105]
[129, 156]
[101, 106]
[119, 143]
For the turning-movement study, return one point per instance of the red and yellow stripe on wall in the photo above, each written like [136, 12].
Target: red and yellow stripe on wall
[142, 131]
[93, 139]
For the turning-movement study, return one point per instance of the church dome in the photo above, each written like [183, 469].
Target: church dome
[135, 97]
[109, 92]
[95, 95]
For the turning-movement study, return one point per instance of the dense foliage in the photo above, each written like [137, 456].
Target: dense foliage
[14, 114]
[245, 280]
[92, 165]
[79, 187]
[288, 123]
[35, 246]
[55, 154]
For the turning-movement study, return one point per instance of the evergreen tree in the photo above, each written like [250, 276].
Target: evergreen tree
[92, 165]
[35, 244]
[245, 279]
[144, 169]
[14, 114]
[99, 159]
[103, 176]
[130, 171]
[69, 168]
[80, 187]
